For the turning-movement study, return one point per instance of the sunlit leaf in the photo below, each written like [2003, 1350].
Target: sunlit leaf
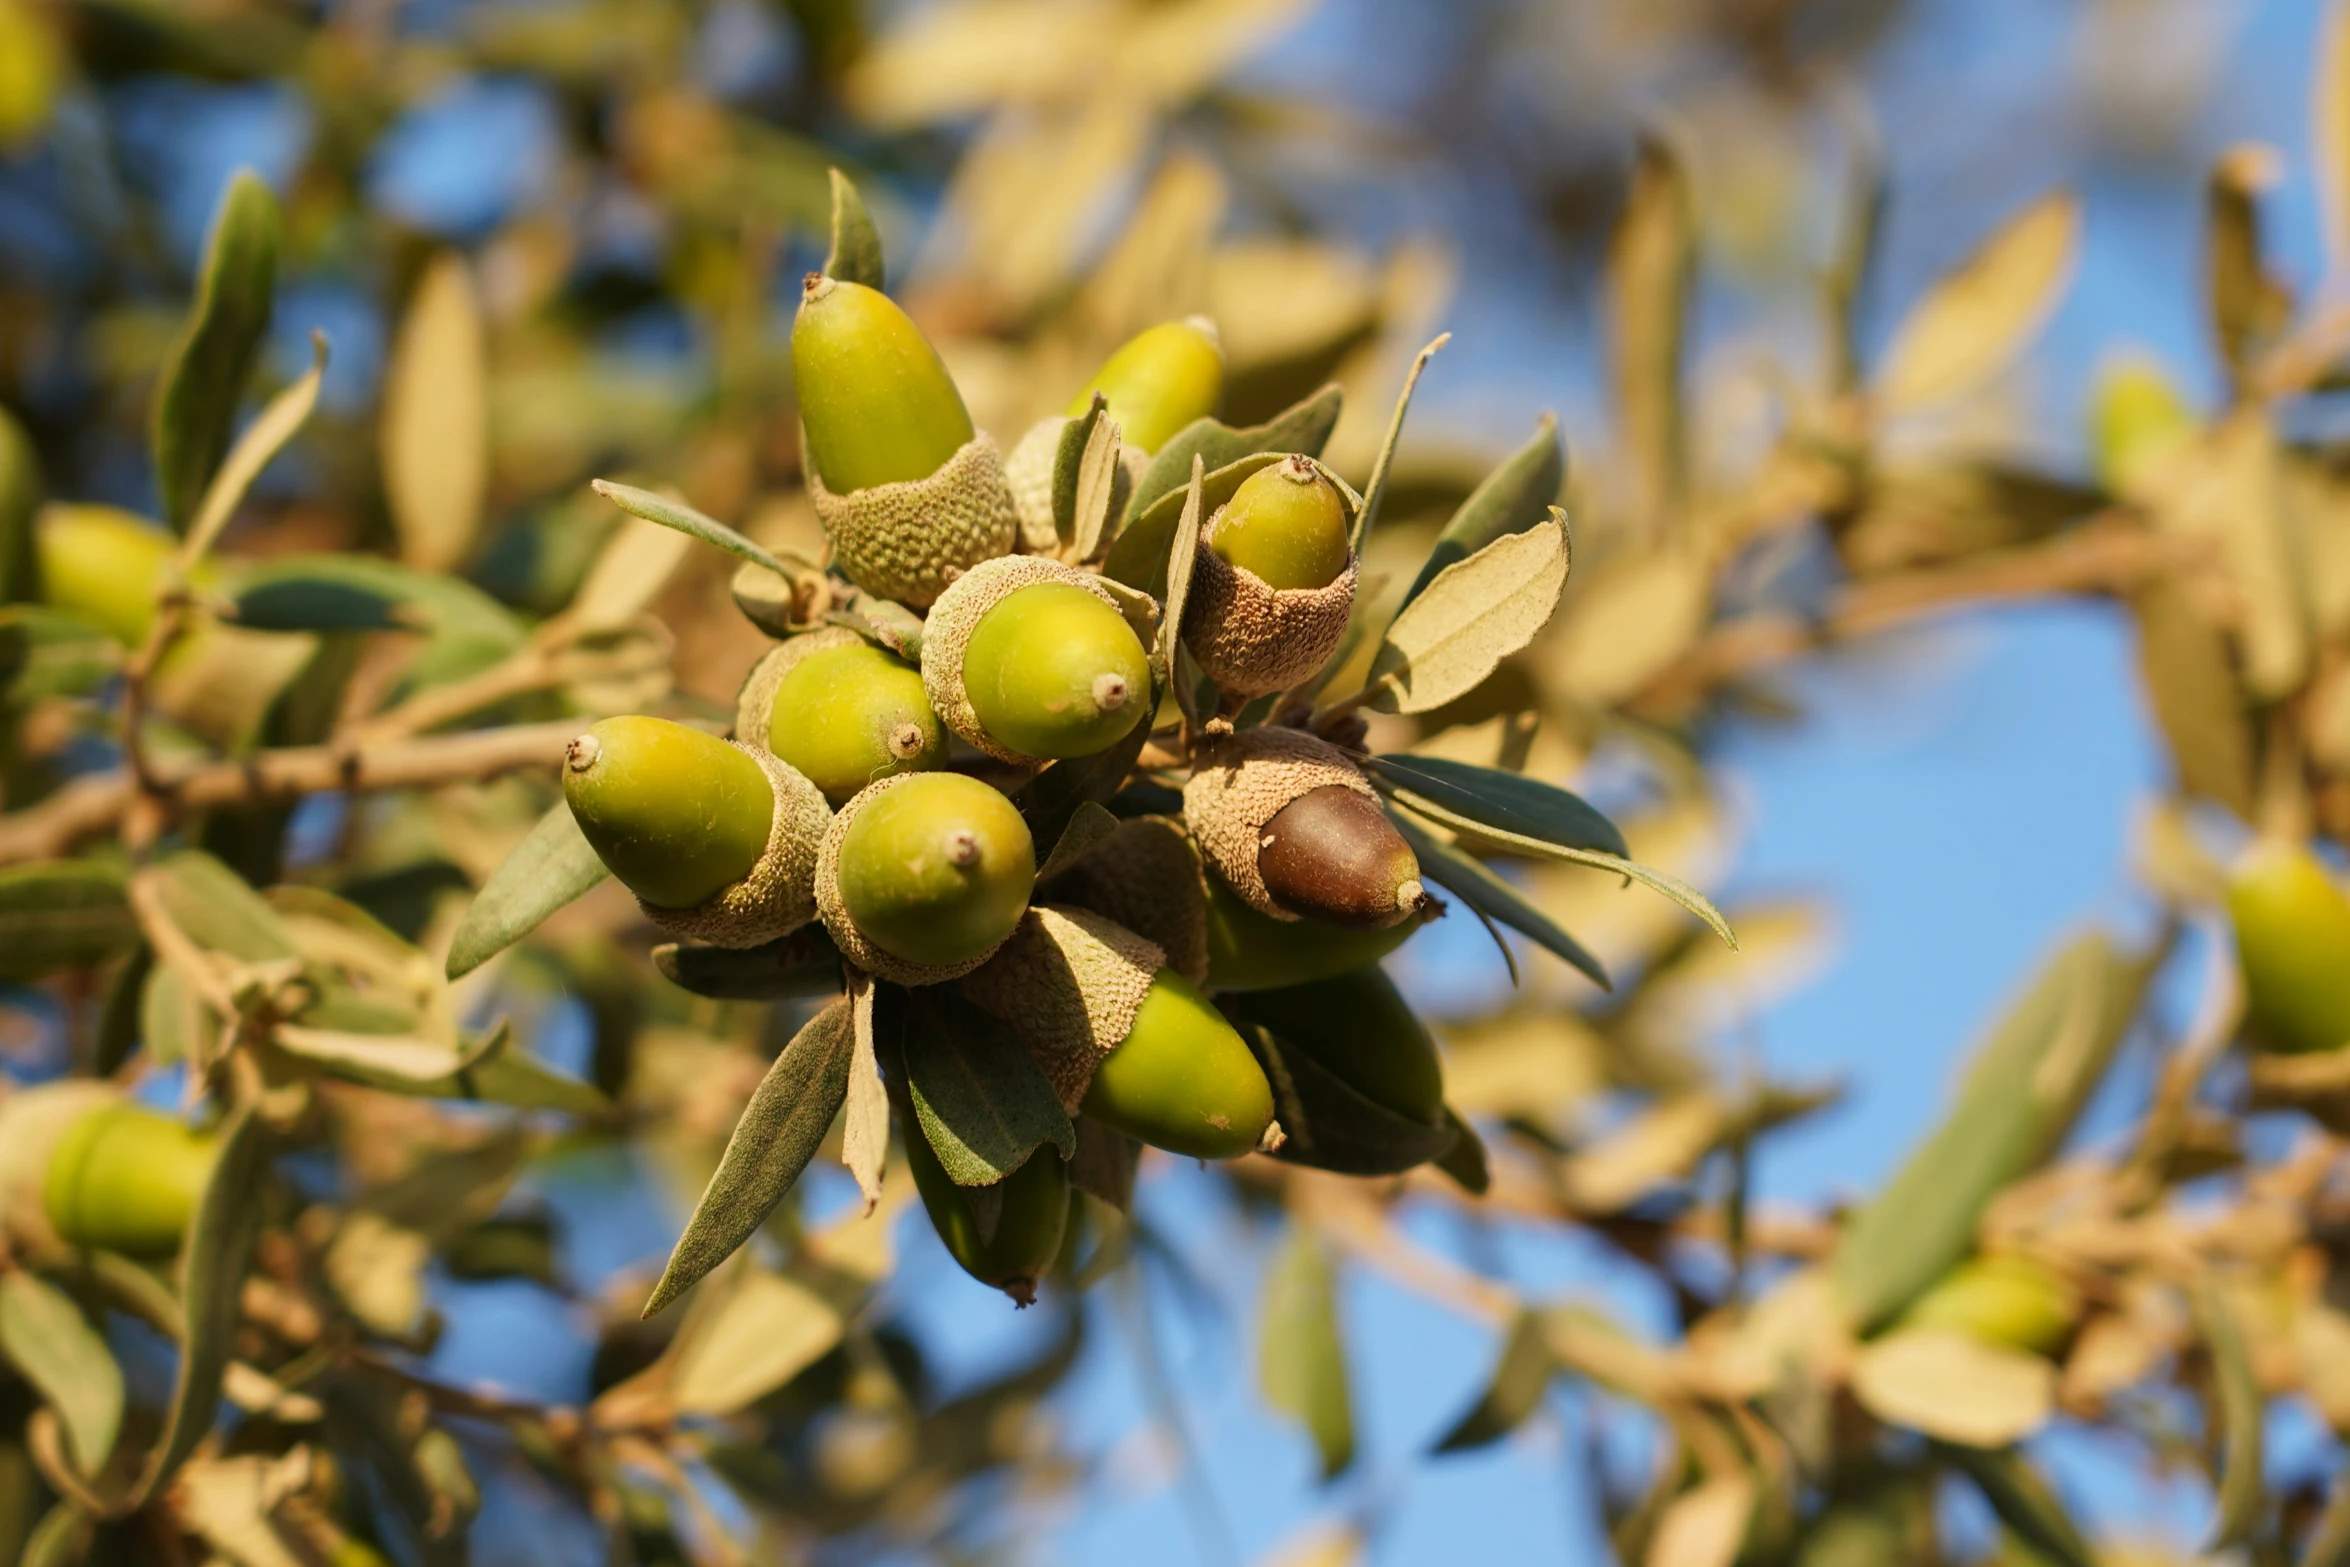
[766, 1331]
[1301, 1362]
[855, 256]
[550, 868]
[52, 1345]
[1510, 499]
[1954, 1387]
[1972, 323]
[203, 385]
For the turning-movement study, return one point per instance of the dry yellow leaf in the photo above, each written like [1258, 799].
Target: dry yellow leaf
[1638, 614]
[1953, 1387]
[435, 431]
[1704, 1527]
[1973, 322]
[767, 1331]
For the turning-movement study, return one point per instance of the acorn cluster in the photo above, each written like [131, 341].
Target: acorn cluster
[903, 776]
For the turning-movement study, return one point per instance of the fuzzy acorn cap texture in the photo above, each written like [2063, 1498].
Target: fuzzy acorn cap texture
[779, 894]
[1146, 876]
[1253, 639]
[907, 541]
[834, 910]
[1070, 983]
[755, 702]
[1029, 473]
[957, 614]
[1240, 783]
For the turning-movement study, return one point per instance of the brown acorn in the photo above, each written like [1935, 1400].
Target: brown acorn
[1273, 581]
[1295, 829]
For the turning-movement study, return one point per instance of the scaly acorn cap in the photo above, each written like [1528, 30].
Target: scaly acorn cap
[832, 906]
[1251, 637]
[1146, 876]
[907, 541]
[1028, 472]
[778, 896]
[1070, 983]
[868, 717]
[947, 633]
[1241, 782]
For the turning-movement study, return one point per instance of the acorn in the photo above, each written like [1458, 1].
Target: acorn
[1160, 380]
[1124, 1038]
[1251, 951]
[908, 493]
[1273, 581]
[80, 1165]
[717, 841]
[2292, 924]
[1146, 877]
[922, 876]
[1031, 1209]
[841, 711]
[1027, 658]
[1358, 1027]
[105, 565]
[2005, 1300]
[1296, 830]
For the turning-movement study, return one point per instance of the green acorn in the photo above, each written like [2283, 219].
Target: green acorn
[1027, 658]
[127, 1179]
[2009, 1301]
[1294, 828]
[1359, 1028]
[841, 711]
[909, 495]
[1273, 582]
[1123, 1038]
[104, 564]
[923, 875]
[2292, 924]
[717, 842]
[1250, 951]
[1031, 1208]
[1160, 380]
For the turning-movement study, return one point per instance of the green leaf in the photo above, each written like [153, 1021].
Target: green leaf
[1301, 1361]
[62, 1538]
[172, 1017]
[678, 515]
[1182, 556]
[278, 422]
[55, 1349]
[1512, 498]
[1474, 614]
[856, 243]
[804, 963]
[361, 592]
[20, 504]
[53, 652]
[2027, 1083]
[2242, 1500]
[1303, 427]
[61, 914]
[1140, 556]
[1089, 828]
[218, 911]
[778, 1134]
[219, 1246]
[2023, 1501]
[1366, 515]
[1514, 1391]
[1475, 883]
[1053, 798]
[1465, 1160]
[1087, 471]
[1510, 801]
[204, 381]
[552, 867]
[1329, 1125]
[982, 1103]
[1671, 886]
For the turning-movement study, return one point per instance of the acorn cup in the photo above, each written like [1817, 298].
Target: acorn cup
[2005, 1300]
[1295, 829]
[2292, 922]
[840, 711]
[921, 877]
[1123, 1038]
[1006, 1235]
[1358, 1027]
[1026, 658]
[1273, 581]
[909, 494]
[717, 841]
[1146, 876]
[82, 1166]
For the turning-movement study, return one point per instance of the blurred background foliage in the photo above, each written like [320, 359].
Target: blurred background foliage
[1781, 268]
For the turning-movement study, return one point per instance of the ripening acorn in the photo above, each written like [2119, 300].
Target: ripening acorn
[1359, 1028]
[1160, 380]
[923, 875]
[1293, 827]
[2009, 1301]
[80, 1165]
[717, 842]
[909, 494]
[1251, 951]
[1026, 658]
[2292, 922]
[1124, 1038]
[1273, 582]
[1026, 1237]
[840, 711]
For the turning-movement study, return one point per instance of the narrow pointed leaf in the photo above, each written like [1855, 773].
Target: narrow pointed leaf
[804, 963]
[1367, 515]
[778, 1134]
[864, 1130]
[435, 426]
[1303, 427]
[54, 1348]
[981, 1102]
[1330, 1125]
[550, 868]
[2024, 1502]
[1301, 1360]
[1475, 883]
[203, 383]
[856, 243]
[1089, 828]
[1510, 499]
[677, 514]
[1465, 1160]
[1972, 323]
[1514, 1391]
[1474, 614]
[20, 502]
[1510, 801]
[279, 421]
